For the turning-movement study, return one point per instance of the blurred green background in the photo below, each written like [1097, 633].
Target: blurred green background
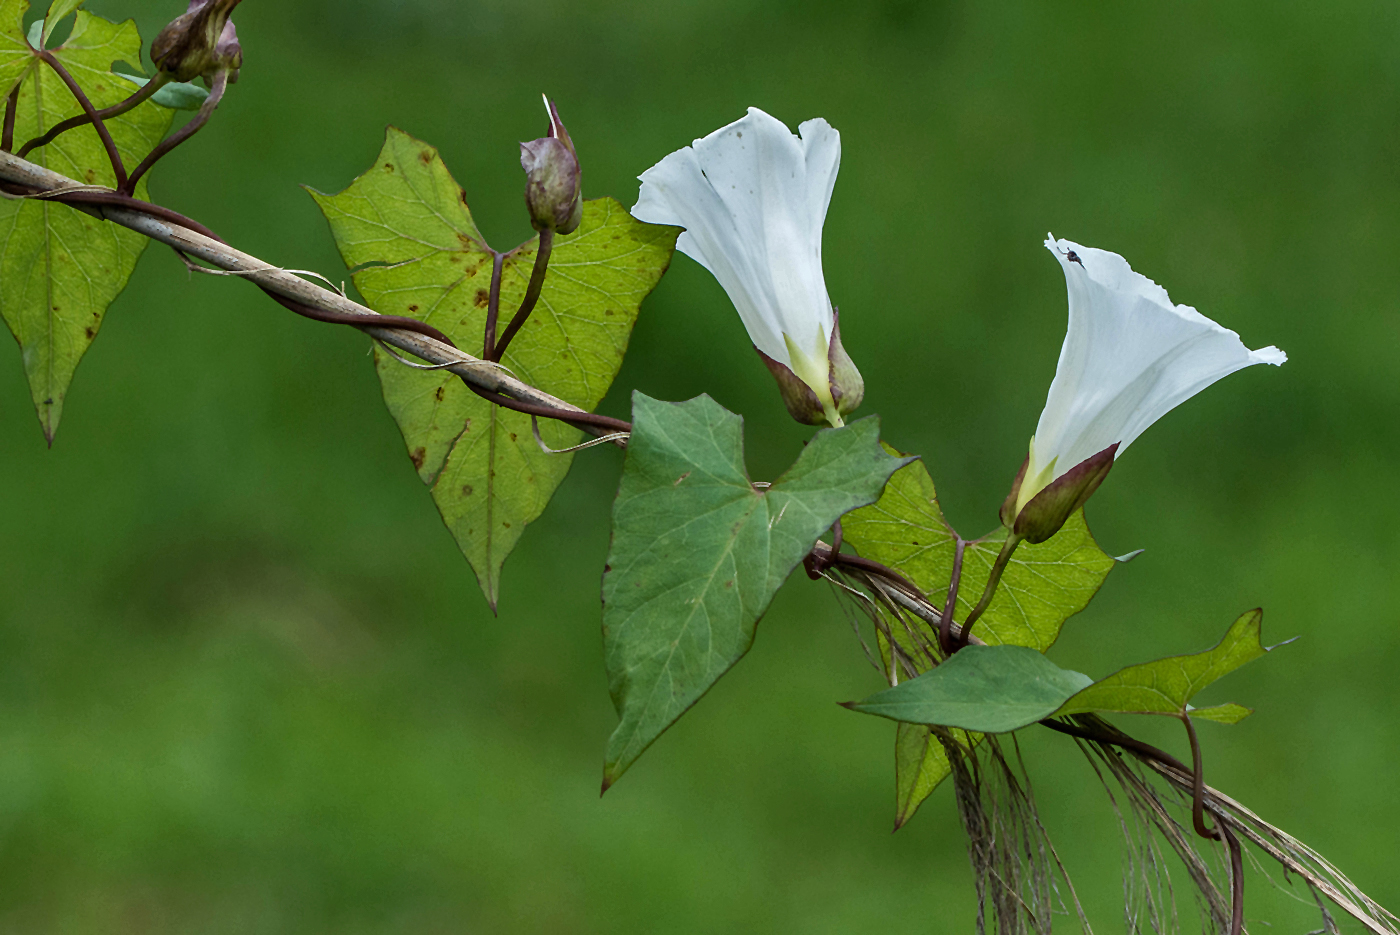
[248, 685]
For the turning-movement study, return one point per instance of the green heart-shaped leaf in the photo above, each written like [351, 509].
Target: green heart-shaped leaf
[1044, 585]
[698, 553]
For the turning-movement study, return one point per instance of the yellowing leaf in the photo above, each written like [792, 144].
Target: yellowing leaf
[1043, 586]
[60, 268]
[408, 219]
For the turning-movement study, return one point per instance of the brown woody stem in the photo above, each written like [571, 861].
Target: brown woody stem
[409, 335]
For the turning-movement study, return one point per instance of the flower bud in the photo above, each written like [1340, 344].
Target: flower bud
[201, 42]
[844, 381]
[1036, 515]
[553, 188]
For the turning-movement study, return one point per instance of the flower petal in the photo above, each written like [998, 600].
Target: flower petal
[752, 197]
[1130, 356]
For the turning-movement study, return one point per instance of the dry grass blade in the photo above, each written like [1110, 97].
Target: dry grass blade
[1014, 864]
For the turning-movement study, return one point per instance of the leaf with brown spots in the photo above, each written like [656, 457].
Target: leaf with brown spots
[410, 220]
[60, 268]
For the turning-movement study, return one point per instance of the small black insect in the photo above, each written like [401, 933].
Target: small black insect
[1074, 258]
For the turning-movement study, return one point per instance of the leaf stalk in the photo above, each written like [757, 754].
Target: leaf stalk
[141, 95]
[118, 169]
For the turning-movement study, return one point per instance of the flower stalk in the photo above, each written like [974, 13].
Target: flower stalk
[1008, 548]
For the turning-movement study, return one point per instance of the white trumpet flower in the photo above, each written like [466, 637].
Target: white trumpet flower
[1130, 356]
[752, 197]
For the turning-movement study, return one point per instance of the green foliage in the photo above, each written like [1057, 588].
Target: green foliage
[1168, 685]
[61, 268]
[995, 689]
[57, 10]
[1043, 586]
[177, 95]
[920, 762]
[409, 220]
[988, 689]
[698, 552]
[920, 766]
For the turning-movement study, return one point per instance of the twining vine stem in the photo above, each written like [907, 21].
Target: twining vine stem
[489, 380]
[196, 123]
[532, 293]
[159, 224]
[116, 110]
[91, 112]
[993, 579]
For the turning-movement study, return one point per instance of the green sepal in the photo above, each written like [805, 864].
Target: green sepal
[1051, 508]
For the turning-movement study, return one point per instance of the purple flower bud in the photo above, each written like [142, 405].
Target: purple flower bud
[553, 188]
[201, 42]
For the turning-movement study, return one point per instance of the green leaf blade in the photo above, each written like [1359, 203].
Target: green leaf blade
[1044, 585]
[1167, 686]
[60, 269]
[1221, 714]
[404, 225]
[57, 11]
[698, 553]
[16, 54]
[987, 689]
[920, 766]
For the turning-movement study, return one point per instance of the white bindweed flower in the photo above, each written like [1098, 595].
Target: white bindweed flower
[752, 198]
[1130, 357]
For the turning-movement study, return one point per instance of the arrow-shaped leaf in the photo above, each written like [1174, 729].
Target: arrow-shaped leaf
[408, 219]
[1043, 586]
[1168, 685]
[698, 553]
[988, 689]
[60, 268]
